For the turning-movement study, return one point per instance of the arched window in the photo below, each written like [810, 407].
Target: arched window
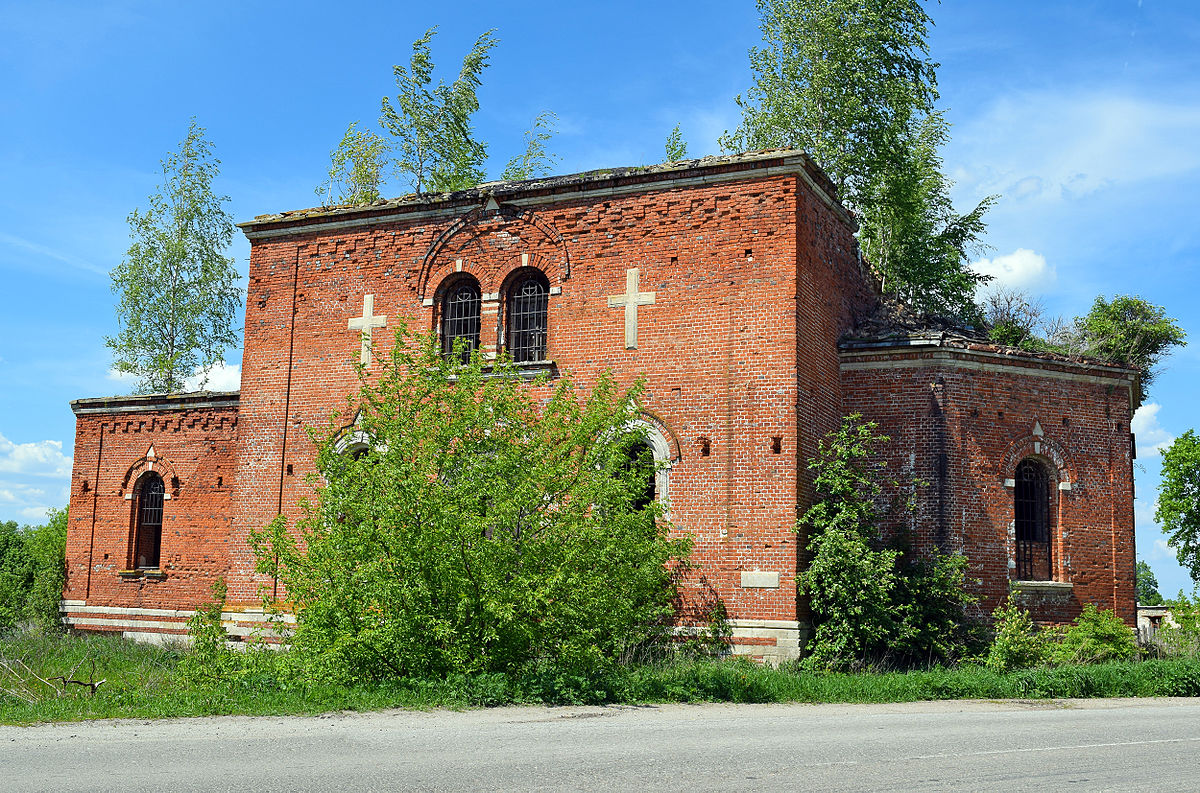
[147, 538]
[460, 315]
[1031, 506]
[641, 459]
[526, 304]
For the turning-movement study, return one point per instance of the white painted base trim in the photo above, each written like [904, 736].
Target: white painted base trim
[787, 635]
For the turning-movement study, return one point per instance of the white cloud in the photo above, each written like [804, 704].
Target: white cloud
[40, 458]
[1061, 145]
[27, 503]
[1163, 551]
[125, 378]
[1022, 269]
[1150, 435]
[221, 377]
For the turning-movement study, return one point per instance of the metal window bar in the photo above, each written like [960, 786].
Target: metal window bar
[149, 522]
[1031, 502]
[527, 308]
[460, 317]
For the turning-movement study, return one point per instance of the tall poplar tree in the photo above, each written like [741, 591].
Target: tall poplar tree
[178, 291]
[851, 83]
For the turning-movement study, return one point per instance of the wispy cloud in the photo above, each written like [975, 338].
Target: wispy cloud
[220, 377]
[37, 249]
[1151, 437]
[1058, 146]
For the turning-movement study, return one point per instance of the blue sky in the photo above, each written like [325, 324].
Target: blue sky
[1084, 116]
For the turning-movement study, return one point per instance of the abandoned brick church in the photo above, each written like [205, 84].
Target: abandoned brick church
[733, 284]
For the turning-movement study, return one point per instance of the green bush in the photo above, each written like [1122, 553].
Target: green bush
[1179, 635]
[1017, 643]
[32, 572]
[486, 527]
[1094, 637]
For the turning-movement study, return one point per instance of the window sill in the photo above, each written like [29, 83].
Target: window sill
[526, 370]
[1063, 588]
[153, 574]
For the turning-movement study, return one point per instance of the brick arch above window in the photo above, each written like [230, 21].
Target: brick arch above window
[1049, 451]
[465, 236]
[159, 465]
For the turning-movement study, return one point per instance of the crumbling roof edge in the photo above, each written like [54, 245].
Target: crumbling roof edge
[718, 168]
[955, 342]
[145, 403]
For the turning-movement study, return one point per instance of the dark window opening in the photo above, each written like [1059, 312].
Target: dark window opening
[148, 531]
[776, 444]
[1032, 512]
[640, 458]
[460, 316]
[705, 447]
[527, 306]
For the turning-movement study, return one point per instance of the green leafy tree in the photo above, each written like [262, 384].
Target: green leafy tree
[178, 291]
[1013, 318]
[676, 146]
[434, 141]
[1017, 643]
[356, 168]
[1178, 510]
[851, 82]
[1094, 637]
[1130, 331]
[487, 526]
[32, 572]
[16, 575]
[1147, 586]
[536, 160]
[872, 599]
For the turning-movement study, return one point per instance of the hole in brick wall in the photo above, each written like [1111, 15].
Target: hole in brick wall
[1066, 421]
[674, 260]
[85, 486]
[705, 446]
[289, 469]
[776, 444]
[219, 481]
[974, 413]
[175, 482]
[999, 414]
[749, 253]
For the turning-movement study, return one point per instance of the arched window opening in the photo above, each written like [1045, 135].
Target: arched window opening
[526, 304]
[640, 459]
[460, 316]
[1032, 512]
[148, 527]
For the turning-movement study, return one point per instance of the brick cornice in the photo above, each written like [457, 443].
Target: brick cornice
[151, 403]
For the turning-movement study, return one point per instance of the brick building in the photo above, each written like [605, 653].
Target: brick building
[732, 284]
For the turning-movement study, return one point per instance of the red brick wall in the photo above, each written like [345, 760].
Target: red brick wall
[979, 410]
[745, 274]
[193, 445]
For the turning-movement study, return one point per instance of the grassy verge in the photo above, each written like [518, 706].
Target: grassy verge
[145, 682]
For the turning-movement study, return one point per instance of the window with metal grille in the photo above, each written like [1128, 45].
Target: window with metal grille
[1032, 512]
[460, 316]
[148, 534]
[526, 306]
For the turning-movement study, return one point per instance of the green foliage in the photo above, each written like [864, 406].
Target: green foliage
[1178, 510]
[1095, 637]
[431, 125]
[851, 83]
[536, 161]
[32, 572]
[1013, 318]
[1179, 635]
[486, 529]
[1147, 586]
[355, 169]
[210, 656]
[1131, 331]
[676, 146]
[1017, 643]
[873, 601]
[178, 293]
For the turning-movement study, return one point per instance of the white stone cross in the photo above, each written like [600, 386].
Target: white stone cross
[631, 300]
[365, 323]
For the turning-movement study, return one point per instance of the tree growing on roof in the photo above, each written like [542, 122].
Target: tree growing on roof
[851, 83]
[178, 291]
[435, 144]
[356, 168]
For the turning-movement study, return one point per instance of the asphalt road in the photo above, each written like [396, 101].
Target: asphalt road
[1076, 745]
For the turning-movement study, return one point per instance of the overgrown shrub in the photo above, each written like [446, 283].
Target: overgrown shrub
[1017, 643]
[1179, 635]
[1094, 637]
[485, 526]
[874, 601]
[32, 572]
